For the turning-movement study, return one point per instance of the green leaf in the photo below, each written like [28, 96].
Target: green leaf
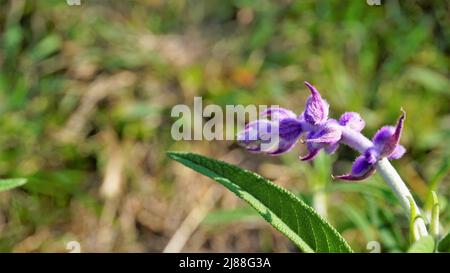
[424, 245]
[282, 209]
[7, 184]
[414, 234]
[444, 244]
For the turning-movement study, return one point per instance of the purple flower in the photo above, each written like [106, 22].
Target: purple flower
[279, 130]
[385, 144]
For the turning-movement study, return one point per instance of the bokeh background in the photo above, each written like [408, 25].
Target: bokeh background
[85, 99]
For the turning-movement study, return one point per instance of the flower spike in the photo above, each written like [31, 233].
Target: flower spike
[280, 129]
[327, 134]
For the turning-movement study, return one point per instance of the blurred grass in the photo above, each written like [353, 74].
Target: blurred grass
[86, 93]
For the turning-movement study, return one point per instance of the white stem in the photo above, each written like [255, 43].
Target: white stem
[320, 203]
[400, 189]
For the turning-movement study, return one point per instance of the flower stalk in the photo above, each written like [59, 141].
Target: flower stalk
[404, 196]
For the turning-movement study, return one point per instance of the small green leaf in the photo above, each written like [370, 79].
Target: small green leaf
[434, 224]
[7, 184]
[444, 244]
[424, 245]
[282, 209]
[414, 233]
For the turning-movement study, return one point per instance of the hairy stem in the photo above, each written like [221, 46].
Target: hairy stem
[359, 142]
[393, 179]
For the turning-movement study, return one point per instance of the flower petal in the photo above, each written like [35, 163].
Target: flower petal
[254, 134]
[352, 120]
[327, 135]
[398, 152]
[361, 169]
[383, 135]
[371, 155]
[361, 166]
[387, 138]
[290, 131]
[290, 128]
[272, 137]
[277, 113]
[316, 110]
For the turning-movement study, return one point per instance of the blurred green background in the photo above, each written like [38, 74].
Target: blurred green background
[85, 99]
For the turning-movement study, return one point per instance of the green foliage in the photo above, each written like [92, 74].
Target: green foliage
[442, 171]
[11, 183]
[444, 244]
[425, 244]
[280, 208]
[59, 183]
[434, 221]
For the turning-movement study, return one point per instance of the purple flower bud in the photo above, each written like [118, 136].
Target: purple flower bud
[316, 111]
[386, 139]
[352, 120]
